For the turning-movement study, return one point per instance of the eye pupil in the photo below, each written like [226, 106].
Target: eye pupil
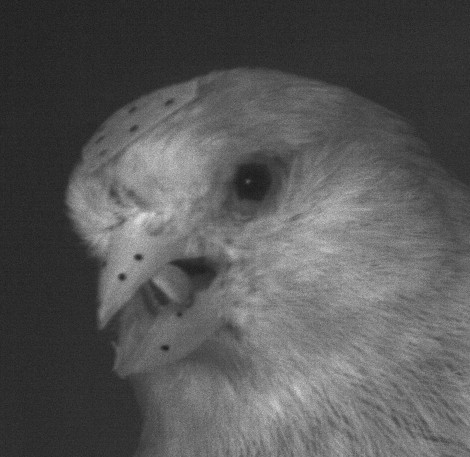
[252, 181]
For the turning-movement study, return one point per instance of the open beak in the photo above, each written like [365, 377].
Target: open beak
[135, 258]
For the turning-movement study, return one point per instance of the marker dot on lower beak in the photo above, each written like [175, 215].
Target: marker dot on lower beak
[165, 347]
[121, 276]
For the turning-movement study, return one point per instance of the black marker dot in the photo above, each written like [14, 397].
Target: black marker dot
[179, 313]
[131, 110]
[169, 102]
[165, 347]
[138, 256]
[133, 128]
[121, 276]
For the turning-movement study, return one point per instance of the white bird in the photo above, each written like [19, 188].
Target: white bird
[288, 269]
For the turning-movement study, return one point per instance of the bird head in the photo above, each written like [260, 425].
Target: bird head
[268, 243]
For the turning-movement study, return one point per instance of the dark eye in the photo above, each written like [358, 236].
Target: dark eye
[252, 181]
[255, 186]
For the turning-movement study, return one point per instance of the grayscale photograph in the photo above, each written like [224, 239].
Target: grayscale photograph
[236, 229]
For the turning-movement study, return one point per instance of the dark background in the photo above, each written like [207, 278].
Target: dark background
[68, 65]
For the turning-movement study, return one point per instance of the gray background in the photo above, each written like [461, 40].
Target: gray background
[68, 65]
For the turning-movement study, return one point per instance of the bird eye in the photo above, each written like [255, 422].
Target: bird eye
[252, 181]
[254, 185]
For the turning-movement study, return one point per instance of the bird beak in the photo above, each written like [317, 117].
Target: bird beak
[134, 257]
